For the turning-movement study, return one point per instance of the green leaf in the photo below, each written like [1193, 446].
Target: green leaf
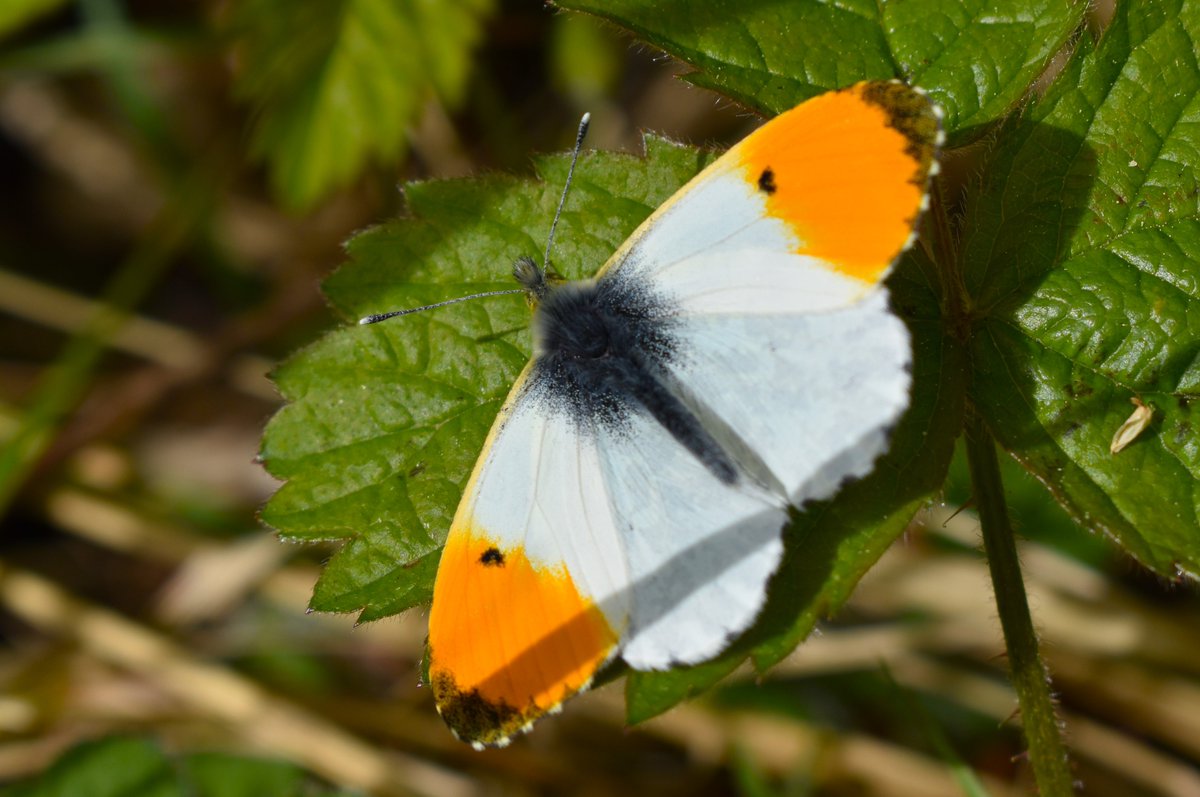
[338, 83]
[976, 57]
[1082, 250]
[385, 422]
[16, 14]
[586, 59]
[116, 767]
[131, 767]
[226, 775]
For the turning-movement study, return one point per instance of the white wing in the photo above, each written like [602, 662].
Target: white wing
[532, 595]
[810, 399]
[715, 248]
[540, 488]
[813, 395]
[699, 551]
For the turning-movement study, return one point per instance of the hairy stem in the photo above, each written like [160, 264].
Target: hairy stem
[1047, 751]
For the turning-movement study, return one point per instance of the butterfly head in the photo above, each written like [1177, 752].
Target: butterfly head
[537, 282]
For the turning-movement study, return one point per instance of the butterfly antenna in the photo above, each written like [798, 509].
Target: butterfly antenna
[375, 319]
[534, 281]
[583, 126]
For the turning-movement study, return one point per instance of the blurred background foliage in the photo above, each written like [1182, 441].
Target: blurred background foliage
[178, 176]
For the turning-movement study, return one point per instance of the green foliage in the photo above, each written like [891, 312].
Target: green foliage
[1072, 287]
[977, 57]
[1082, 249]
[338, 83]
[131, 767]
[586, 60]
[15, 14]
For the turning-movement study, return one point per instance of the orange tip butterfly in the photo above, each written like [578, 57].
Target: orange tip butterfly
[735, 357]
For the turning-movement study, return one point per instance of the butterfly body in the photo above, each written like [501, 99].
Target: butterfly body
[735, 358]
[601, 352]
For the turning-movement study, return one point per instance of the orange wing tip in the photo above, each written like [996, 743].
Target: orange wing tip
[912, 113]
[509, 639]
[847, 171]
[483, 723]
[475, 719]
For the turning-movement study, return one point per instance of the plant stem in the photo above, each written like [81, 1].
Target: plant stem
[945, 254]
[1047, 751]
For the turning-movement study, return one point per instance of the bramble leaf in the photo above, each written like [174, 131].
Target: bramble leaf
[977, 58]
[1082, 248]
[336, 84]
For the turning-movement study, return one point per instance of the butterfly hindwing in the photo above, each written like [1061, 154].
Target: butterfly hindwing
[699, 550]
[813, 395]
[528, 599]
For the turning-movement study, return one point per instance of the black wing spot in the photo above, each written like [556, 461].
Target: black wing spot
[766, 181]
[492, 558]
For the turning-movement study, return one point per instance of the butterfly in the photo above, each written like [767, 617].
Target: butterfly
[735, 357]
